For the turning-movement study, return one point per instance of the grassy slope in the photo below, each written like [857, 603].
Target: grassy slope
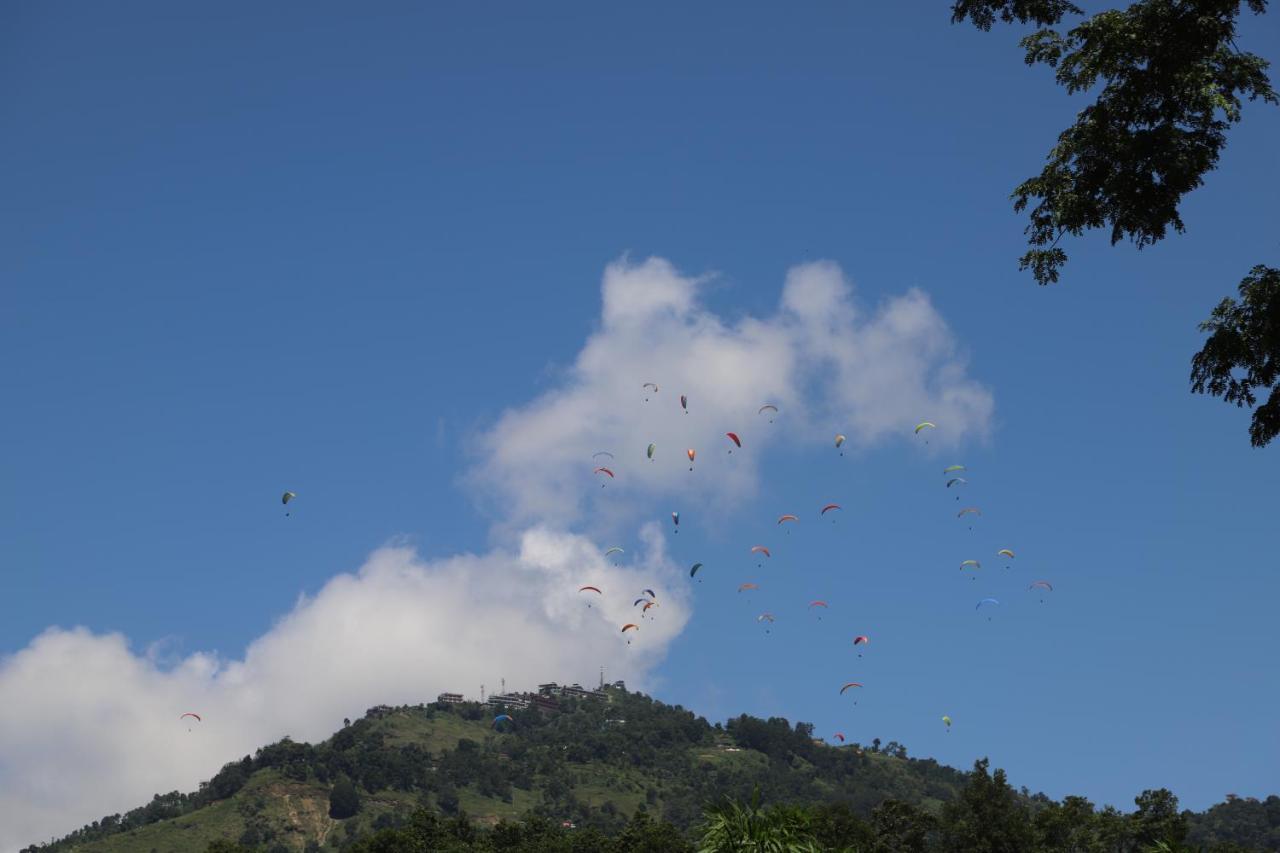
[299, 811]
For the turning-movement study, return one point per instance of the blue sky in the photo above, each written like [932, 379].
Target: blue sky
[302, 247]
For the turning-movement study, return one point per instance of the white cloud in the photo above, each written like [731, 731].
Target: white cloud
[88, 727]
[828, 365]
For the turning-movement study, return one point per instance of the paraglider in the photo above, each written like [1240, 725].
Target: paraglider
[787, 517]
[765, 617]
[768, 407]
[847, 686]
[503, 718]
[649, 593]
[190, 714]
[818, 603]
[684, 403]
[594, 589]
[1041, 585]
[956, 481]
[925, 425]
[840, 439]
[986, 601]
[600, 453]
[639, 601]
[951, 468]
[760, 549]
[747, 586]
[694, 570]
[614, 550]
[947, 721]
[649, 452]
[828, 508]
[285, 498]
[861, 640]
[691, 453]
[649, 385]
[1005, 552]
[630, 626]
[969, 510]
[733, 436]
[603, 470]
[647, 605]
[974, 563]
[675, 519]
[839, 736]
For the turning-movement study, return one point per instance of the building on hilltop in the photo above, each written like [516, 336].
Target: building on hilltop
[544, 703]
[508, 700]
[450, 698]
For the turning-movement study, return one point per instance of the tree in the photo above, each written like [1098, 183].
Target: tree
[1158, 820]
[730, 828]
[1245, 336]
[643, 834]
[901, 828]
[1173, 81]
[344, 800]
[987, 817]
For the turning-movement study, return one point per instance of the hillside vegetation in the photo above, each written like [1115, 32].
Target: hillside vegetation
[627, 773]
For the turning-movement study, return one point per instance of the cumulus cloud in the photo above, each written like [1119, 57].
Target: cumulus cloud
[89, 727]
[828, 364]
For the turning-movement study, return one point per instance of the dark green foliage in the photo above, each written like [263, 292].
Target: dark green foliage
[1158, 820]
[673, 764]
[1242, 354]
[901, 828]
[221, 846]
[344, 800]
[731, 826]
[1172, 84]
[988, 816]
[983, 13]
[1242, 821]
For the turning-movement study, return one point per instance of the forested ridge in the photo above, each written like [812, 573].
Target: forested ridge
[631, 773]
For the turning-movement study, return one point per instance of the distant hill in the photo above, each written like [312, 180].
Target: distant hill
[586, 762]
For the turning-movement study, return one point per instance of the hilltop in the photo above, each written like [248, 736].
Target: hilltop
[584, 762]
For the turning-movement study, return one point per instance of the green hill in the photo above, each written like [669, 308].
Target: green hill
[594, 763]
